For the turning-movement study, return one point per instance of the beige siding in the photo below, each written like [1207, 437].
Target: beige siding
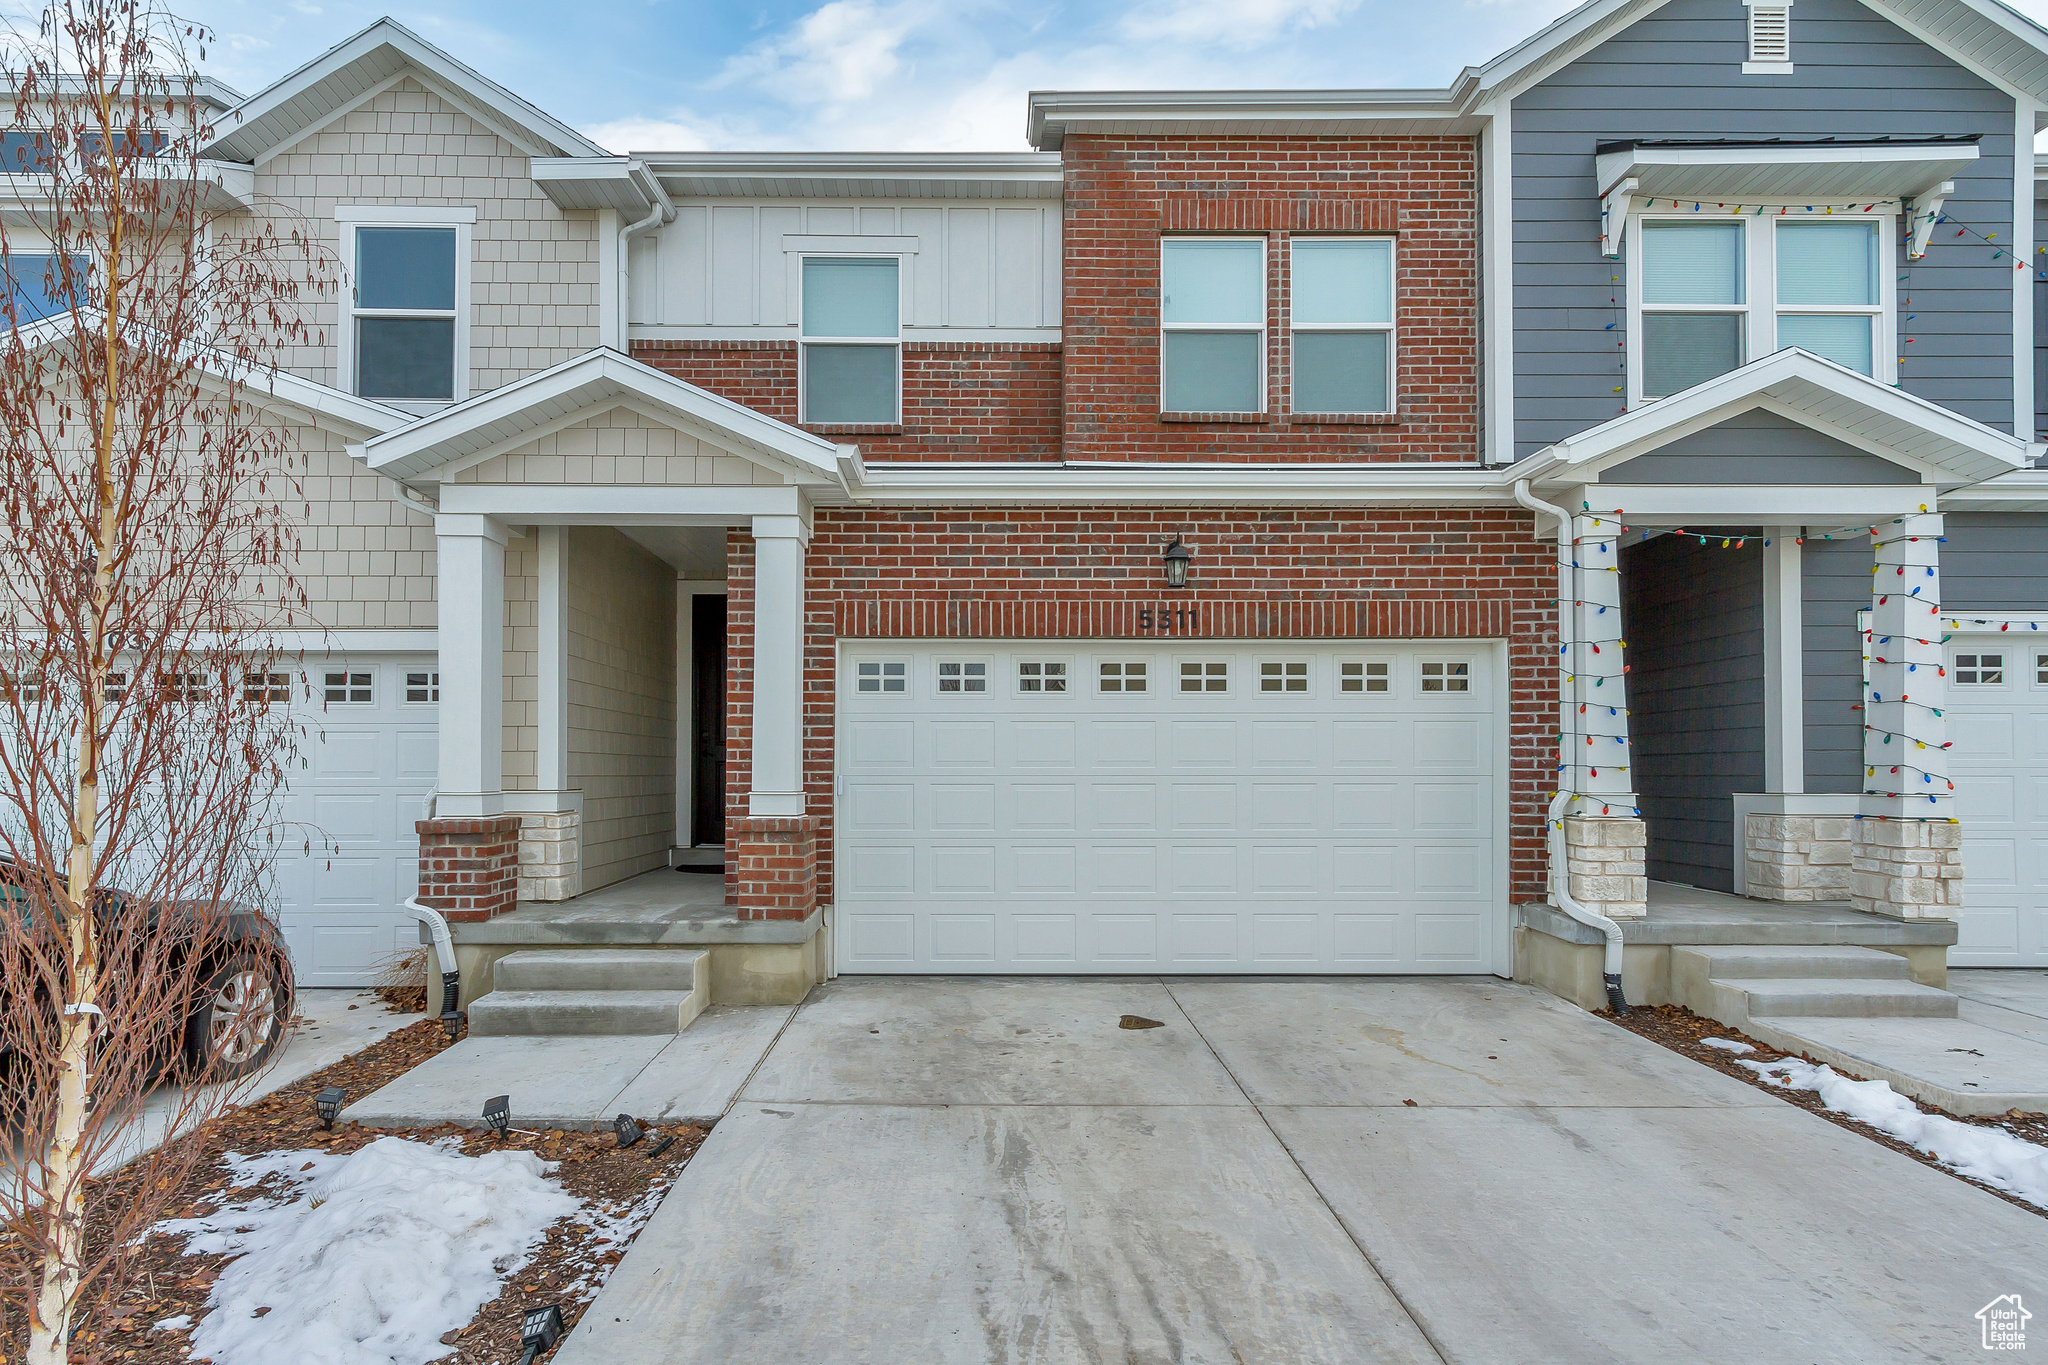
[534, 267]
[618, 447]
[622, 694]
[522, 663]
[366, 557]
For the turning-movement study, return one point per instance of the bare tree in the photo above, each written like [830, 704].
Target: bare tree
[144, 704]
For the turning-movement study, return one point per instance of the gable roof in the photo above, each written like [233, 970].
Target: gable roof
[506, 418]
[344, 74]
[1943, 447]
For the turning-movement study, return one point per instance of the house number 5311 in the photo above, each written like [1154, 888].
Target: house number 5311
[1169, 618]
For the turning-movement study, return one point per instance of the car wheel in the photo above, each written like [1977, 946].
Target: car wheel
[240, 1018]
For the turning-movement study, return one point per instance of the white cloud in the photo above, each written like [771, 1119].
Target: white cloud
[840, 52]
[1229, 23]
[653, 135]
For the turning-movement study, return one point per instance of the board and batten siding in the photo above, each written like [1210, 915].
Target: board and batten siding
[726, 266]
[1678, 74]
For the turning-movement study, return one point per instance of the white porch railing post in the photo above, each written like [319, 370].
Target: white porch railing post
[470, 554]
[777, 786]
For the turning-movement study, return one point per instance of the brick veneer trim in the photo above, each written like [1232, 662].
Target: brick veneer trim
[776, 866]
[897, 618]
[1241, 213]
[469, 868]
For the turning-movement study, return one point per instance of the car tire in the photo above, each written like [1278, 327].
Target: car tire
[240, 1019]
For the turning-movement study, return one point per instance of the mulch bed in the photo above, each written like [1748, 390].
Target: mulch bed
[1683, 1031]
[592, 1168]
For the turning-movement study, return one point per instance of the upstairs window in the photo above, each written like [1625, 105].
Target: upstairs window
[1828, 290]
[39, 285]
[405, 318]
[1343, 319]
[1770, 38]
[24, 154]
[852, 341]
[1212, 319]
[1693, 303]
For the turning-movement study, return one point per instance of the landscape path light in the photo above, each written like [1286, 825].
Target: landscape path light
[328, 1103]
[498, 1114]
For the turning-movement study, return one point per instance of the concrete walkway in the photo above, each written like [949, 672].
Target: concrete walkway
[1288, 1171]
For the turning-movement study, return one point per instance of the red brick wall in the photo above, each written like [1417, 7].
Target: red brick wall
[469, 869]
[1123, 193]
[1085, 573]
[961, 401]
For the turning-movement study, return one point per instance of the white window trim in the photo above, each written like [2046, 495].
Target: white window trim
[1066, 675]
[909, 688]
[988, 675]
[804, 344]
[1308, 675]
[352, 216]
[1760, 282]
[1391, 327]
[1262, 331]
[1230, 686]
[1753, 67]
[1391, 677]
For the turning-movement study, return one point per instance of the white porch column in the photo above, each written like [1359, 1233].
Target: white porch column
[470, 555]
[552, 763]
[1908, 847]
[551, 816]
[1784, 663]
[777, 759]
[1604, 832]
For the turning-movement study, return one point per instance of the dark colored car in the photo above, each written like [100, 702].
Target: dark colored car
[243, 999]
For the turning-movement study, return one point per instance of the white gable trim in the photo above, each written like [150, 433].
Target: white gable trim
[314, 129]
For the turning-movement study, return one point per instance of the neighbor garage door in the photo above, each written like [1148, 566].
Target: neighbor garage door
[1998, 721]
[1108, 808]
[371, 754]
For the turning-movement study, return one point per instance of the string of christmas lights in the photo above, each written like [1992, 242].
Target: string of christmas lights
[1570, 767]
[1876, 766]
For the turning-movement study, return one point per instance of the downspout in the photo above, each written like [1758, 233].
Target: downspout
[1553, 823]
[444, 943]
[662, 212]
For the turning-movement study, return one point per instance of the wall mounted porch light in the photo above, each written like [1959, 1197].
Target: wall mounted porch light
[1175, 561]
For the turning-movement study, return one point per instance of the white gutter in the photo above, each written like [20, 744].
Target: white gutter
[662, 212]
[1553, 820]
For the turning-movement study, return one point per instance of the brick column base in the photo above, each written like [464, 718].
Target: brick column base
[1797, 857]
[1604, 857]
[777, 861]
[1908, 869]
[550, 856]
[469, 868]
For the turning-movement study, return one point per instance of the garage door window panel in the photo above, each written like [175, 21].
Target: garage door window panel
[1204, 675]
[1365, 676]
[1122, 676]
[349, 688]
[1979, 670]
[882, 677]
[963, 677]
[1041, 677]
[1440, 676]
[1283, 676]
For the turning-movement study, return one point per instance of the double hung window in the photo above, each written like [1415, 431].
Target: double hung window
[1212, 312]
[40, 285]
[1828, 290]
[1342, 317]
[404, 312]
[852, 340]
[1694, 309]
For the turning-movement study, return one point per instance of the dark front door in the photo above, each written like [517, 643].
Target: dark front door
[707, 722]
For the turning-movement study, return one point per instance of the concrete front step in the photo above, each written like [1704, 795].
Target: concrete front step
[582, 1013]
[602, 969]
[1828, 998]
[1757, 961]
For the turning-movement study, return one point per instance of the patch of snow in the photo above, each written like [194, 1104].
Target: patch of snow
[181, 1323]
[608, 1230]
[1726, 1044]
[372, 1256]
[1991, 1155]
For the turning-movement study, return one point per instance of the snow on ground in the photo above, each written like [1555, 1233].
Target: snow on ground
[1726, 1044]
[371, 1256]
[1991, 1155]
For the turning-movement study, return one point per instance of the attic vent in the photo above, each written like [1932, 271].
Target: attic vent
[1770, 35]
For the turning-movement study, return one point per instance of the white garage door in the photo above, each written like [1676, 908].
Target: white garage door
[371, 756]
[1112, 808]
[1998, 721]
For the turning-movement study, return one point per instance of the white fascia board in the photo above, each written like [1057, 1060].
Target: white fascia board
[2023, 491]
[1902, 171]
[1182, 484]
[621, 504]
[600, 182]
[1651, 505]
[1055, 113]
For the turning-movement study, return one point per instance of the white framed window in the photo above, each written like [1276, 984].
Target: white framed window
[404, 334]
[962, 675]
[422, 686]
[1212, 324]
[882, 676]
[1446, 675]
[1364, 675]
[115, 687]
[41, 286]
[1041, 675]
[850, 356]
[1204, 675]
[1770, 38]
[1283, 675]
[1979, 670]
[344, 688]
[2041, 669]
[266, 687]
[1341, 316]
[26, 688]
[184, 687]
[1711, 291]
[1121, 675]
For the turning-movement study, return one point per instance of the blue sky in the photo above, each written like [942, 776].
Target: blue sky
[879, 75]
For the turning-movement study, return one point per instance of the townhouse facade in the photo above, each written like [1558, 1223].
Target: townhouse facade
[1261, 532]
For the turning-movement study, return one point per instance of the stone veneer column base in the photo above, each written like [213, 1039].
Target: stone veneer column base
[1798, 857]
[1908, 869]
[777, 866]
[1604, 856]
[469, 868]
[550, 855]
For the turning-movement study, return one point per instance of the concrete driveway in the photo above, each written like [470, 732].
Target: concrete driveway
[1288, 1171]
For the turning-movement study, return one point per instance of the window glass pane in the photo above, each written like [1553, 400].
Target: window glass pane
[1692, 262]
[405, 357]
[405, 267]
[38, 293]
[1827, 263]
[1209, 371]
[1844, 340]
[854, 298]
[1684, 349]
[23, 153]
[1343, 281]
[849, 383]
[1214, 282]
[1340, 372]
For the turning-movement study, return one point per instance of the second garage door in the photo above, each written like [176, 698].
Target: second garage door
[1106, 808]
